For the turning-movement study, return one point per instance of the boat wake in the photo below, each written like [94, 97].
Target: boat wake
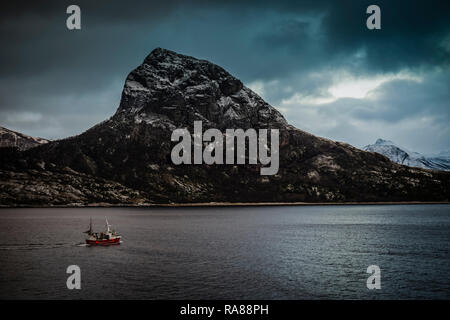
[82, 244]
[33, 246]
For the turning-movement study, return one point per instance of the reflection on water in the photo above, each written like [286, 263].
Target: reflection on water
[305, 252]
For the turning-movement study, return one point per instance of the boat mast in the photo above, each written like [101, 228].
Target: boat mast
[89, 232]
[107, 225]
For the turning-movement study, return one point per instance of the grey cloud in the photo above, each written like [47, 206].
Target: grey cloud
[399, 99]
[411, 112]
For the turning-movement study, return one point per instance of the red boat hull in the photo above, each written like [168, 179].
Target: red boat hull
[103, 242]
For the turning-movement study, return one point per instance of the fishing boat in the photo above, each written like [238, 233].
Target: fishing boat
[107, 237]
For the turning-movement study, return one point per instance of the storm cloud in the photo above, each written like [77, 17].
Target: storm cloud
[314, 60]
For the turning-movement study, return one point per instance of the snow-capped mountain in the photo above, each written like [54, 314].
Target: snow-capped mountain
[404, 156]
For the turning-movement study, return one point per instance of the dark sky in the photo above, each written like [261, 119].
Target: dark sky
[314, 60]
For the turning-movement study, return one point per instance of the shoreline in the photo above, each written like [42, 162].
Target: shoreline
[225, 204]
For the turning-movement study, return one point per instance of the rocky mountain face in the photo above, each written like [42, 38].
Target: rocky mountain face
[410, 158]
[131, 151]
[9, 138]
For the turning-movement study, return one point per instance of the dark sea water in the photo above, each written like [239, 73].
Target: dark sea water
[305, 252]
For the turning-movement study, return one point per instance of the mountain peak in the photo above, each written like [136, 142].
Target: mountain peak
[161, 51]
[184, 89]
[384, 142]
[404, 156]
[162, 54]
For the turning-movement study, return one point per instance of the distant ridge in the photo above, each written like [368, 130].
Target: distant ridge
[10, 138]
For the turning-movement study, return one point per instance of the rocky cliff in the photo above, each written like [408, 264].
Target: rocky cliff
[168, 91]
